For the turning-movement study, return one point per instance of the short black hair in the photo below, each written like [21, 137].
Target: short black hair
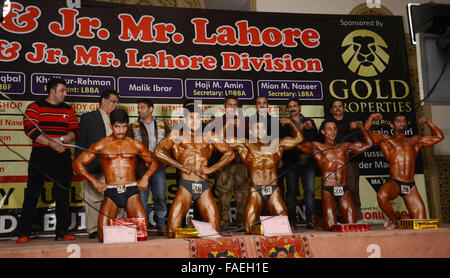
[192, 108]
[119, 116]
[231, 97]
[53, 82]
[188, 102]
[328, 121]
[147, 101]
[106, 93]
[331, 104]
[294, 99]
[263, 97]
[397, 115]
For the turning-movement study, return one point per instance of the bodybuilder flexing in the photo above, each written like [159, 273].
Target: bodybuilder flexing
[401, 153]
[261, 157]
[331, 158]
[191, 149]
[118, 161]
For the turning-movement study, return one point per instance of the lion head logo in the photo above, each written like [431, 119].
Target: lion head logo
[365, 53]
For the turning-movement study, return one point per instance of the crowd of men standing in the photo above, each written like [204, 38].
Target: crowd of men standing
[58, 126]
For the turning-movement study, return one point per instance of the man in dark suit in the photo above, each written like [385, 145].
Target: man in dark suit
[94, 126]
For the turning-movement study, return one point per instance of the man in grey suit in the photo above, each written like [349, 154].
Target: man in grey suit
[94, 126]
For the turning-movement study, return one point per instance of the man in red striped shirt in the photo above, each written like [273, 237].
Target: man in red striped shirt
[57, 122]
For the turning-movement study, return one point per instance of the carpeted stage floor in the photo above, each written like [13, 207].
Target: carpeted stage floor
[430, 243]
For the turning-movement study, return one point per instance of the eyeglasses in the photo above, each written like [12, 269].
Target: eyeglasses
[113, 101]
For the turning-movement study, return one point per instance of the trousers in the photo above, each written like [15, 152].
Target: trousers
[232, 178]
[59, 168]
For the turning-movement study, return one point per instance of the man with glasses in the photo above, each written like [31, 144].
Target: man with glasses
[94, 126]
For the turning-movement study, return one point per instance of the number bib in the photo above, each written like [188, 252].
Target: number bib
[121, 189]
[338, 190]
[405, 189]
[197, 188]
[266, 190]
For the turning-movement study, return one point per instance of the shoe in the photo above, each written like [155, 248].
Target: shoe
[93, 235]
[292, 224]
[309, 226]
[225, 226]
[162, 231]
[24, 239]
[64, 237]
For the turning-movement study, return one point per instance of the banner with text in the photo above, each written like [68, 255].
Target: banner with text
[171, 54]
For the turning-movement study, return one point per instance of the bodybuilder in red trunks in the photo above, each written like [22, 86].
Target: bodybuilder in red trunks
[118, 161]
[401, 153]
[331, 158]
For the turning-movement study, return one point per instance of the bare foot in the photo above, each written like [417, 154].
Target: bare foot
[404, 216]
[392, 225]
[317, 222]
[387, 220]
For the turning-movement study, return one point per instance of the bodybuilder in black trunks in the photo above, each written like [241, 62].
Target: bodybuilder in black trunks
[118, 161]
[401, 154]
[261, 157]
[331, 158]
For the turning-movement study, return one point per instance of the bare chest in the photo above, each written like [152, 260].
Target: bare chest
[263, 156]
[116, 150]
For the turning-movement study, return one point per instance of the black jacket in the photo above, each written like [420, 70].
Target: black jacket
[92, 129]
[291, 157]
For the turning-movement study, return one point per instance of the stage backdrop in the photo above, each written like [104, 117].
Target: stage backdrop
[170, 55]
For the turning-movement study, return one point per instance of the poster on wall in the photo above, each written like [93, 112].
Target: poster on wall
[171, 55]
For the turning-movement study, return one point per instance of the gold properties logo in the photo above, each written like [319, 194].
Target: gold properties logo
[365, 53]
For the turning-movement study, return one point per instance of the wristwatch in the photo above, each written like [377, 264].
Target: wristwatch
[61, 139]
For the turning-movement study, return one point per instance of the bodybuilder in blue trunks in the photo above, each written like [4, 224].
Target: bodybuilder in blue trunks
[191, 149]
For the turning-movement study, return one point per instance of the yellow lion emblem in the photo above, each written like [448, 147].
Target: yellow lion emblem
[364, 53]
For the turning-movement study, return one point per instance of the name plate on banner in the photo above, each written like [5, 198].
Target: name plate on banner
[218, 88]
[12, 82]
[139, 87]
[286, 89]
[119, 234]
[77, 85]
[205, 229]
[275, 225]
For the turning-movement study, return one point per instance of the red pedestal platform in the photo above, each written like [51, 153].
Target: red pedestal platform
[432, 243]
